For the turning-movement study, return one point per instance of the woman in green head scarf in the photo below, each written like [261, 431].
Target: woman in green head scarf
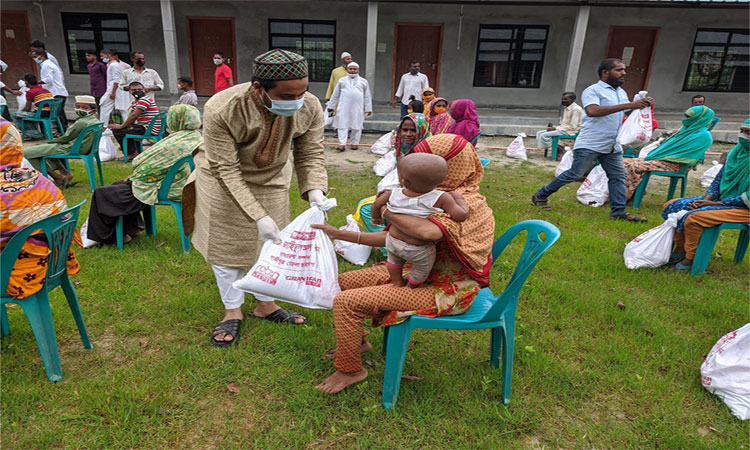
[129, 197]
[686, 147]
[726, 201]
[412, 130]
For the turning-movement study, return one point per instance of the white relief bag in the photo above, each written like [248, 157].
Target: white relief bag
[709, 175]
[516, 149]
[385, 164]
[389, 182]
[351, 251]
[726, 371]
[302, 269]
[383, 144]
[594, 190]
[107, 150]
[653, 247]
[565, 163]
[637, 128]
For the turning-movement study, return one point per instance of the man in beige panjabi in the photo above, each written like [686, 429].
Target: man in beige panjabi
[238, 196]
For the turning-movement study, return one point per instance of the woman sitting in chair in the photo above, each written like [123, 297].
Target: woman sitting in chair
[86, 113]
[461, 268]
[686, 147]
[26, 197]
[129, 197]
[726, 201]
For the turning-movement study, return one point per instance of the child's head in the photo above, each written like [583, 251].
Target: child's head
[415, 106]
[421, 172]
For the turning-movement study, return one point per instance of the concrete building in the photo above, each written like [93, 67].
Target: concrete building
[519, 54]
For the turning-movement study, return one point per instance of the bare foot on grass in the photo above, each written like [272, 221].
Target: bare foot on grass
[340, 381]
[366, 347]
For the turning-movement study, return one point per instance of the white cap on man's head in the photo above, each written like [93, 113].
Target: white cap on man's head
[345, 54]
[86, 99]
[352, 64]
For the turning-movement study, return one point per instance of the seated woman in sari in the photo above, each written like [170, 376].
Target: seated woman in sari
[466, 125]
[461, 268]
[726, 201]
[129, 197]
[439, 118]
[686, 147]
[27, 197]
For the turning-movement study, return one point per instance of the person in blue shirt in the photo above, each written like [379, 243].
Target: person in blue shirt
[604, 105]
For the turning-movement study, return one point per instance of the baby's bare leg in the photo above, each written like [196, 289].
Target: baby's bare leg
[397, 274]
[395, 262]
[421, 264]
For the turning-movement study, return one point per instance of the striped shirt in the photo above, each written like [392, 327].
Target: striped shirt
[36, 94]
[150, 111]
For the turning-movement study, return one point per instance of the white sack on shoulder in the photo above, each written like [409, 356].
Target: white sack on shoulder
[385, 164]
[383, 144]
[302, 269]
[516, 149]
[726, 371]
[565, 163]
[709, 175]
[594, 190]
[351, 251]
[653, 247]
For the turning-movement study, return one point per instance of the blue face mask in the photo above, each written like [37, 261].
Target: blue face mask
[105, 60]
[285, 108]
[38, 60]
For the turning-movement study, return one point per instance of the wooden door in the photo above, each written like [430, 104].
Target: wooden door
[206, 36]
[635, 46]
[14, 51]
[417, 41]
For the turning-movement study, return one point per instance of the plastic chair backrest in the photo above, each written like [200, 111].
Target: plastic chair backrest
[54, 106]
[166, 184]
[59, 230]
[540, 237]
[713, 123]
[162, 117]
[97, 129]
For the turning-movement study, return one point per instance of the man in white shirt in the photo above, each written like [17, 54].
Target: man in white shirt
[149, 78]
[50, 56]
[412, 84]
[569, 126]
[114, 98]
[52, 78]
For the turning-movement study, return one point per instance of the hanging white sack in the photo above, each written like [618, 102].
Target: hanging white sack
[637, 128]
[385, 164]
[389, 181]
[565, 163]
[302, 269]
[594, 190]
[516, 149]
[351, 251]
[107, 150]
[383, 144]
[726, 371]
[328, 116]
[709, 175]
[652, 247]
[21, 99]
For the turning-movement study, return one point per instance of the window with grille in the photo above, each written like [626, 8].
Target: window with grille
[720, 61]
[84, 31]
[315, 40]
[510, 55]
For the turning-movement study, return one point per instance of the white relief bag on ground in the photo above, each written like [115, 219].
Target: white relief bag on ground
[726, 371]
[382, 145]
[302, 269]
[389, 182]
[652, 248]
[385, 164]
[594, 190]
[710, 174]
[87, 243]
[565, 163]
[107, 150]
[351, 251]
[636, 130]
[516, 149]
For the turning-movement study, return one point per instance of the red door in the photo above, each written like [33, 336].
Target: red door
[15, 38]
[635, 46]
[417, 41]
[208, 35]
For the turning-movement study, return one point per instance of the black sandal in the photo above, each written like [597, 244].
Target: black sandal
[540, 202]
[230, 327]
[629, 218]
[282, 315]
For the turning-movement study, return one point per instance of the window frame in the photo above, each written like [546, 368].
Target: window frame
[302, 36]
[96, 27]
[517, 41]
[726, 44]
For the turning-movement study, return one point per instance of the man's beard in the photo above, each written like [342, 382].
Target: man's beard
[616, 82]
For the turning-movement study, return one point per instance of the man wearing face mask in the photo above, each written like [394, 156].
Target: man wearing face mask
[569, 126]
[142, 111]
[114, 98]
[412, 83]
[223, 74]
[148, 78]
[238, 195]
[354, 101]
[51, 76]
[85, 117]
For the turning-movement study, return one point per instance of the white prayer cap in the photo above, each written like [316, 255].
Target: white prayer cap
[345, 54]
[86, 99]
[352, 64]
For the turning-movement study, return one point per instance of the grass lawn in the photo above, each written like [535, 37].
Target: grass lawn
[587, 374]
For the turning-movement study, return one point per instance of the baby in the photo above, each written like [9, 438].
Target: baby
[419, 174]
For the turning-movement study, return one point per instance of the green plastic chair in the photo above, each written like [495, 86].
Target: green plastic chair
[54, 105]
[93, 156]
[708, 240]
[147, 135]
[59, 230]
[555, 143]
[149, 214]
[674, 177]
[487, 311]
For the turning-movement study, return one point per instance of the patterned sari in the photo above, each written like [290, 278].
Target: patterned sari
[439, 123]
[26, 197]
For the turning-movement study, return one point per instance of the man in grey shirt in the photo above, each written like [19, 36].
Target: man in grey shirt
[604, 105]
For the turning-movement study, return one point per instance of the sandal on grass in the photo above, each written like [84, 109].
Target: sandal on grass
[230, 327]
[676, 257]
[282, 315]
[540, 202]
[629, 218]
[681, 266]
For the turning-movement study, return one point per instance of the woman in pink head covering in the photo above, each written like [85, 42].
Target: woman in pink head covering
[464, 112]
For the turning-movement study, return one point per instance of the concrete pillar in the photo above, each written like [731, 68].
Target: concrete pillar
[170, 44]
[372, 42]
[576, 47]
